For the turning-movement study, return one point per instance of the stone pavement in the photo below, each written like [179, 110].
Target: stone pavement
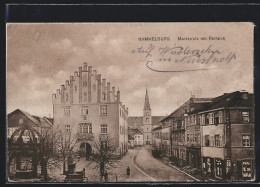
[158, 170]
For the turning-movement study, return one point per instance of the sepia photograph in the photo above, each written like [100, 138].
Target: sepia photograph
[130, 102]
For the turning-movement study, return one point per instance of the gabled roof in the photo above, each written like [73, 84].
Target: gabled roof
[137, 121]
[182, 109]
[132, 132]
[234, 99]
[37, 121]
[157, 128]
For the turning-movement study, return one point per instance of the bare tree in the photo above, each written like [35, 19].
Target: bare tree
[105, 155]
[49, 156]
[65, 145]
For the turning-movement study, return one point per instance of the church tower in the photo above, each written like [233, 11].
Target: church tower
[147, 120]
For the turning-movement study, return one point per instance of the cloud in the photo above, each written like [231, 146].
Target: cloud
[63, 44]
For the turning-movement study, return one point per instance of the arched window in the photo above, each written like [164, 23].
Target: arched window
[147, 119]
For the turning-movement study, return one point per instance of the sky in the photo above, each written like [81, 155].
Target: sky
[41, 57]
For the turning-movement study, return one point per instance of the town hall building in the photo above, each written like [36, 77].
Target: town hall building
[89, 109]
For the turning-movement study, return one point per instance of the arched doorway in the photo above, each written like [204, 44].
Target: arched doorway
[85, 150]
[88, 150]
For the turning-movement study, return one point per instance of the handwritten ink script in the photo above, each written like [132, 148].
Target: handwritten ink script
[180, 54]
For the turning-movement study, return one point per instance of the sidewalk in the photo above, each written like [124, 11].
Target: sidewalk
[194, 172]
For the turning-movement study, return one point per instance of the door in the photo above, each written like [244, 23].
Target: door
[88, 150]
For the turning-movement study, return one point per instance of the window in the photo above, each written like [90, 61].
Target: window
[219, 167]
[147, 120]
[206, 143]
[75, 88]
[84, 110]
[207, 119]
[203, 119]
[247, 169]
[245, 117]
[211, 118]
[85, 128]
[246, 140]
[199, 119]
[216, 118]
[194, 120]
[67, 97]
[220, 114]
[85, 96]
[188, 137]
[217, 140]
[195, 137]
[104, 129]
[67, 127]
[66, 111]
[104, 96]
[94, 87]
[228, 166]
[103, 109]
[198, 137]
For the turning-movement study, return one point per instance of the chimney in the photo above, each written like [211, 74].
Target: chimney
[58, 91]
[71, 79]
[85, 66]
[108, 91]
[113, 93]
[90, 70]
[118, 96]
[53, 98]
[244, 94]
[67, 83]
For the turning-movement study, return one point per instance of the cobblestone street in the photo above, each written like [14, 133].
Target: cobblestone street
[144, 168]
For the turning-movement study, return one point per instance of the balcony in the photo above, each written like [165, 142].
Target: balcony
[86, 136]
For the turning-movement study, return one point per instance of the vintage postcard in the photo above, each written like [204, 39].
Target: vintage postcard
[130, 102]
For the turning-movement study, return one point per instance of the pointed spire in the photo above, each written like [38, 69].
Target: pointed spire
[146, 101]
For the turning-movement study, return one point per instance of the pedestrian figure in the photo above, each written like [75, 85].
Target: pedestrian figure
[128, 171]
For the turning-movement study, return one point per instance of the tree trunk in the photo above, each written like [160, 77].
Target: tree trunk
[64, 171]
[44, 169]
[102, 167]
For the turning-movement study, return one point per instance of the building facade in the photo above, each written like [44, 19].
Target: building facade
[157, 137]
[136, 136]
[24, 133]
[227, 131]
[89, 109]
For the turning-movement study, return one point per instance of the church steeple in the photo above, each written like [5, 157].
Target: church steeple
[146, 101]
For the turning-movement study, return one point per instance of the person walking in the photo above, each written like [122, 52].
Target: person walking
[128, 171]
